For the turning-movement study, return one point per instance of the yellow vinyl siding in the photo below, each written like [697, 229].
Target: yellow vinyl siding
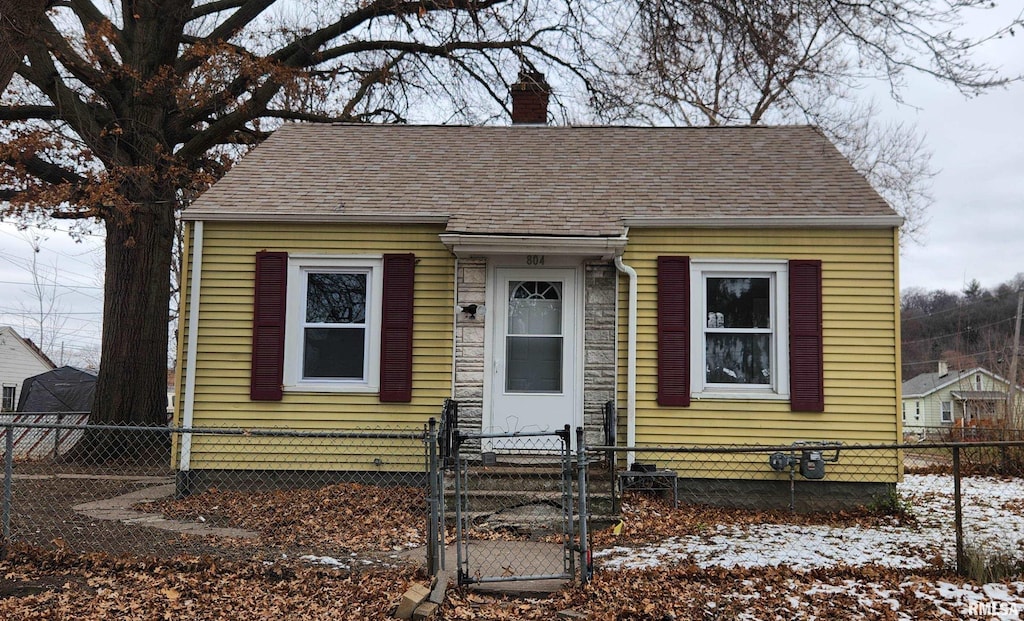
[225, 344]
[861, 363]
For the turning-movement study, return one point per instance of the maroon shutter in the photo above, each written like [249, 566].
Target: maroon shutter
[268, 325]
[674, 331]
[396, 329]
[806, 351]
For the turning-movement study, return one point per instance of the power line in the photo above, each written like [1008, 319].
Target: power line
[961, 305]
[25, 264]
[23, 313]
[965, 355]
[971, 328]
[50, 284]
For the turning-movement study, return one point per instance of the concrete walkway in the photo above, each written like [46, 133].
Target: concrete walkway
[509, 560]
[120, 508]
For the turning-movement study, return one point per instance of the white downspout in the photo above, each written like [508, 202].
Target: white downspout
[455, 326]
[188, 402]
[630, 359]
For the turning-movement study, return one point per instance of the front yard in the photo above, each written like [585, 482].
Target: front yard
[664, 563]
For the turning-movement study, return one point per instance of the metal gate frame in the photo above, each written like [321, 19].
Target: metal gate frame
[460, 468]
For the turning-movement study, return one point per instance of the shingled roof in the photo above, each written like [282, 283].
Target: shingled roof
[542, 180]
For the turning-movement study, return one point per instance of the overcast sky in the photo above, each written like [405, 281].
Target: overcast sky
[975, 228]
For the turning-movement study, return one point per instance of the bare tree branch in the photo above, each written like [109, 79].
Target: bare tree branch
[27, 113]
[19, 21]
[46, 171]
[211, 8]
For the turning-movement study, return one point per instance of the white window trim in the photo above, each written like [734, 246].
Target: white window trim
[778, 271]
[298, 267]
[14, 396]
[942, 411]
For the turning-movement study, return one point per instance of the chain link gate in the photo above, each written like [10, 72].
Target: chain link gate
[513, 498]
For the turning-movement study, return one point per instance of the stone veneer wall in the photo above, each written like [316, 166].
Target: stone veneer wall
[599, 347]
[599, 344]
[469, 342]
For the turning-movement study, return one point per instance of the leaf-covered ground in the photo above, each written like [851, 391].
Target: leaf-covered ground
[921, 538]
[56, 585]
[344, 516]
[664, 563]
[690, 592]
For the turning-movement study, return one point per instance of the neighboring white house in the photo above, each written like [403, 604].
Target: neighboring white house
[949, 397]
[19, 358]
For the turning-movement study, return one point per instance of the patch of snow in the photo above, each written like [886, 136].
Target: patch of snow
[328, 561]
[989, 523]
[986, 523]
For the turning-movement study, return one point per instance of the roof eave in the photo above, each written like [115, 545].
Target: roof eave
[319, 218]
[462, 245]
[844, 222]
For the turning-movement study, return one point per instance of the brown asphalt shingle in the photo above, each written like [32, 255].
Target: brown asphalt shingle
[539, 180]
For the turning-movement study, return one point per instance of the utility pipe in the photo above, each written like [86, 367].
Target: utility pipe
[630, 359]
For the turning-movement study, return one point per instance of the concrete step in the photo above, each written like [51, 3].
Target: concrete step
[495, 500]
[529, 521]
[525, 478]
[525, 485]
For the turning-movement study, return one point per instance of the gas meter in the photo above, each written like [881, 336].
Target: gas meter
[811, 460]
[812, 466]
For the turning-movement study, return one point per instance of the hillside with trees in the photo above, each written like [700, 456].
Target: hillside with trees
[973, 327]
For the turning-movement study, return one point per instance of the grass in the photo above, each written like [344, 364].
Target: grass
[984, 565]
[892, 504]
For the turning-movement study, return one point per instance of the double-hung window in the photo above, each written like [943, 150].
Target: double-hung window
[741, 345]
[333, 342]
[947, 411]
[7, 404]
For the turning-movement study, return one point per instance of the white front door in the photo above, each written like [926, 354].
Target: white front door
[534, 383]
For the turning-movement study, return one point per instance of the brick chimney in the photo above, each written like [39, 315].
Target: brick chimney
[530, 99]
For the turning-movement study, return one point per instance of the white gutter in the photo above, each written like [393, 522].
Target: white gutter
[213, 215]
[188, 402]
[630, 359]
[762, 222]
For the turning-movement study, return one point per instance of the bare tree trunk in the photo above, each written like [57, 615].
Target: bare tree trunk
[132, 381]
[131, 388]
[19, 21]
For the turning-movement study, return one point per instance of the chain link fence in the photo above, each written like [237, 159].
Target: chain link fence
[947, 505]
[343, 498]
[512, 496]
[376, 497]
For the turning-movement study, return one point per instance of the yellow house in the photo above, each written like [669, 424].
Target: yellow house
[724, 285]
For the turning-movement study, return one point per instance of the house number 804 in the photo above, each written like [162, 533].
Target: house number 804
[535, 259]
